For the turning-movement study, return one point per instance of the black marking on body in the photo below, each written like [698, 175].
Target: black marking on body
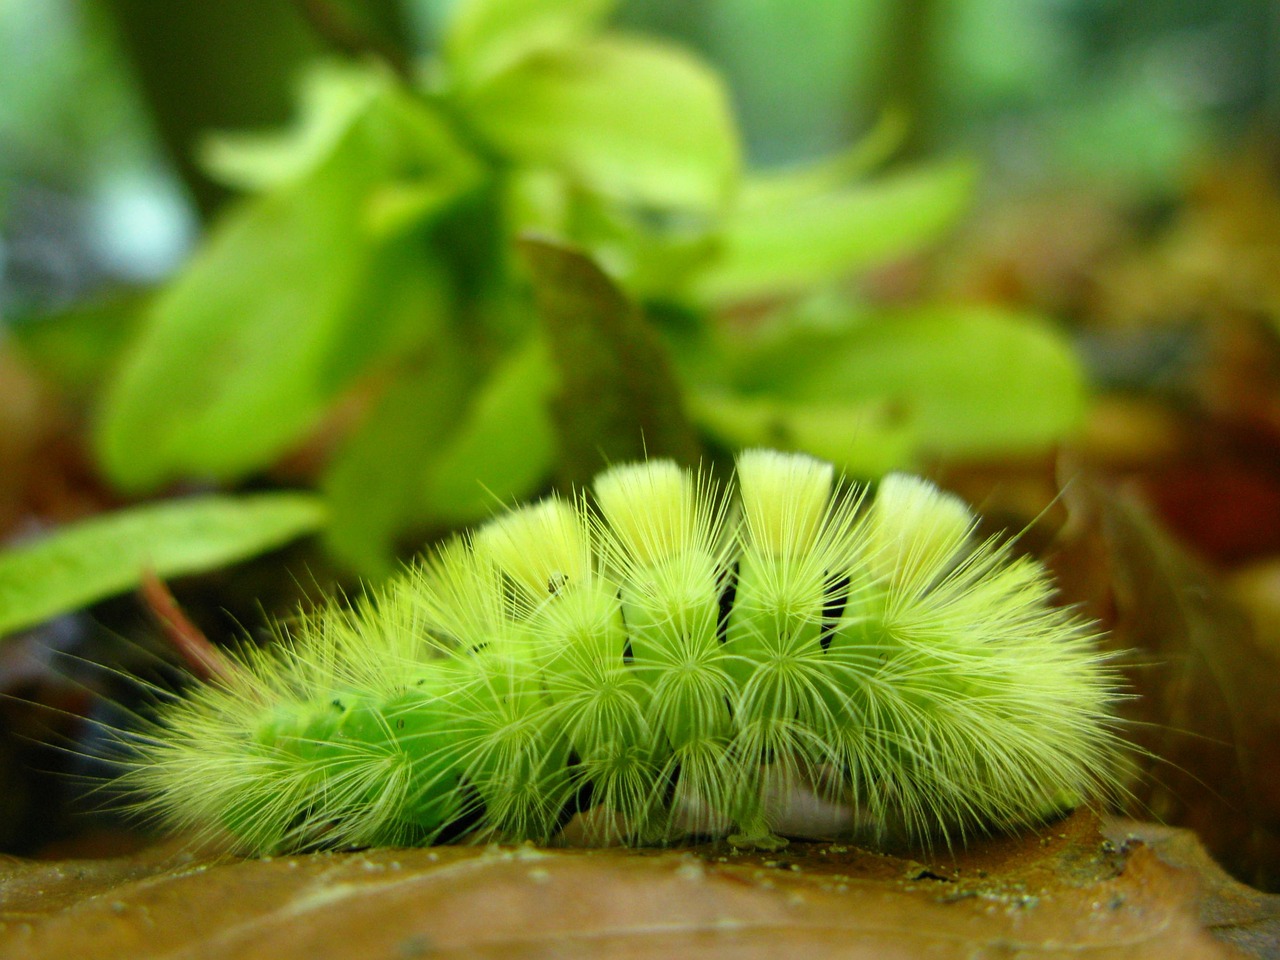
[580, 802]
[669, 788]
[628, 656]
[835, 597]
[472, 814]
[728, 584]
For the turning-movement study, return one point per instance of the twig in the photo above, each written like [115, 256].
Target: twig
[205, 660]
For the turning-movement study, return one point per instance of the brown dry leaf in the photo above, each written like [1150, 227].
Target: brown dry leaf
[1063, 892]
[45, 471]
[1206, 709]
[1236, 914]
[30, 423]
[1218, 255]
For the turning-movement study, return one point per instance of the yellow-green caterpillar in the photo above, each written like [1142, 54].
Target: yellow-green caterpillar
[661, 659]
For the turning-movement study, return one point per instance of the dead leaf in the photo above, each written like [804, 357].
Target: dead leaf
[1205, 709]
[1065, 891]
[619, 399]
[44, 475]
[1234, 913]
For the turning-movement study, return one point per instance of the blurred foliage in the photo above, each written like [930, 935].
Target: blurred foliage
[371, 261]
[359, 317]
[99, 557]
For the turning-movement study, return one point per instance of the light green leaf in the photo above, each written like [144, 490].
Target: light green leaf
[235, 359]
[420, 166]
[971, 381]
[374, 484]
[440, 450]
[651, 257]
[863, 439]
[772, 249]
[224, 375]
[88, 561]
[801, 183]
[633, 119]
[486, 37]
[398, 207]
[503, 447]
[331, 98]
[405, 308]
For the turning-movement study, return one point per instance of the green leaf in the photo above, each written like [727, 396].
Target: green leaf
[442, 448]
[235, 359]
[398, 207]
[374, 484]
[331, 98]
[619, 398]
[405, 307]
[863, 439]
[503, 447]
[970, 381]
[771, 189]
[486, 37]
[633, 119]
[421, 169]
[224, 375]
[652, 257]
[771, 249]
[87, 561]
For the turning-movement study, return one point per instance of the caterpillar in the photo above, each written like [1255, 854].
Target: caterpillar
[659, 661]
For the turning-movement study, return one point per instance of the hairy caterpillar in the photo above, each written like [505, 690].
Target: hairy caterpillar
[664, 659]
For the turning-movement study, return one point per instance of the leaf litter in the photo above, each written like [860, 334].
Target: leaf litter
[1066, 890]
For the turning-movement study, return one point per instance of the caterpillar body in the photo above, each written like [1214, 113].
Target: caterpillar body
[661, 661]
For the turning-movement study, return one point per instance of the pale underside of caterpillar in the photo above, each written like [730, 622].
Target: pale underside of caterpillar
[660, 663]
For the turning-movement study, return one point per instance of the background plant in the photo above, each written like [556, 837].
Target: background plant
[372, 265]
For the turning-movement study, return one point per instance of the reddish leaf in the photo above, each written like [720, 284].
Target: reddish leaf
[1206, 708]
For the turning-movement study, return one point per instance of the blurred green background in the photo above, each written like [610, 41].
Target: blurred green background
[286, 243]
[103, 99]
